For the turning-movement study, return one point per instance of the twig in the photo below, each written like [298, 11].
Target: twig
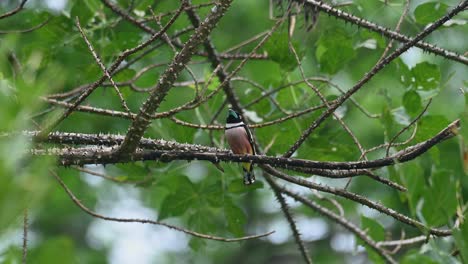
[172, 12]
[341, 221]
[273, 91]
[15, 64]
[408, 140]
[259, 125]
[124, 14]
[263, 91]
[118, 69]
[386, 181]
[334, 202]
[170, 113]
[27, 30]
[147, 221]
[114, 179]
[25, 235]
[103, 67]
[14, 11]
[349, 173]
[289, 217]
[403, 242]
[387, 151]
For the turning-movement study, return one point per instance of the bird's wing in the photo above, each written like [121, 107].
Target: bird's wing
[249, 135]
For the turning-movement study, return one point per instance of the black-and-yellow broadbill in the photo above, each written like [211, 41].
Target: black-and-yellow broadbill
[240, 140]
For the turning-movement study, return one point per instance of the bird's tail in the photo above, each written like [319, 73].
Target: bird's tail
[249, 176]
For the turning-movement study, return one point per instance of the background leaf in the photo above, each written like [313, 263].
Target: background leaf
[429, 12]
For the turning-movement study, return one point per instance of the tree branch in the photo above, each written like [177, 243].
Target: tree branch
[289, 217]
[14, 11]
[384, 31]
[357, 198]
[25, 235]
[176, 151]
[147, 221]
[102, 66]
[341, 221]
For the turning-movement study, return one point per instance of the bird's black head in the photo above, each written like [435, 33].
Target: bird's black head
[233, 117]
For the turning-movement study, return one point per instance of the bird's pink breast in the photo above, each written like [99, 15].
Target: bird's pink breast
[238, 140]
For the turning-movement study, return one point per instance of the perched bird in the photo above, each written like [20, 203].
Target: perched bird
[240, 140]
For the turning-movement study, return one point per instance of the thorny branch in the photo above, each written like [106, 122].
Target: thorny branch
[372, 72]
[142, 120]
[288, 214]
[384, 31]
[357, 198]
[342, 221]
[104, 154]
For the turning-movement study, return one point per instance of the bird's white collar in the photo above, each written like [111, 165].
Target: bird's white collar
[231, 125]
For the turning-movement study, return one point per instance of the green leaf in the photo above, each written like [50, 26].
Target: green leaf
[94, 6]
[124, 75]
[183, 198]
[412, 103]
[53, 247]
[133, 172]
[429, 126]
[388, 122]
[11, 255]
[277, 48]
[81, 11]
[334, 50]
[405, 73]
[440, 200]
[235, 217]
[202, 221]
[426, 76]
[369, 35]
[413, 177]
[214, 83]
[213, 194]
[237, 186]
[197, 243]
[461, 239]
[414, 257]
[374, 229]
[429, 12]
[377, 232]
[142, 5]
